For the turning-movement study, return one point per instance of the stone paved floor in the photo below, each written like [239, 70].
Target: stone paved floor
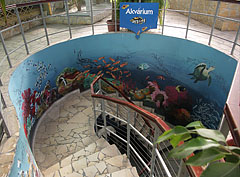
[65, 128]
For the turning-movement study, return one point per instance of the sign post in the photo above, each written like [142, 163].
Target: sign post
[138, 17]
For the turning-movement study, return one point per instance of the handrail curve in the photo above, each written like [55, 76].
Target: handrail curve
[194, 171]
[123, 95]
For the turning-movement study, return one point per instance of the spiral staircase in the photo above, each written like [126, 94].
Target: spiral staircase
[66, 144]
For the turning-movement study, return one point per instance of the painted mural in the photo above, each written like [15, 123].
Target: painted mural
[181, 81]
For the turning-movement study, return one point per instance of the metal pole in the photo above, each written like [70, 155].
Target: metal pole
[164, 14]
[189, 17]
[180, 169]
[67, 11]
[223, 127]
[22, 31]
[214, 22]
[235, 41]
[104, 118]
[5, 50]
[3, 103]
[94, 113]
[156, 134]
[91, 10]
[128, 134]
[115, 12]
[44, 24]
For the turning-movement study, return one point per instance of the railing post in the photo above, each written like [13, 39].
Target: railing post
[235, 41]
[2, 106]
[164, 14]
[128, 133]
[68, 18]
[94, 113]
[189, 17]
[156, 134]
[44, 24]
[22, 31]
[115, 12]
[117, 104]
[223, 128]
[214, 22]
[91, 10]
[104, 118]
[5, 50]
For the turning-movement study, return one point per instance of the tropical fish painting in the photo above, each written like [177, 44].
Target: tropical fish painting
[143, 66]
[138, 20]
[202, 72]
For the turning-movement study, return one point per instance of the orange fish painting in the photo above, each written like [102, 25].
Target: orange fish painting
[95, 60]
[99, 72]
[108, 72]
[161, 77]
[117, 62]
[128, 75]
[104, 61]
[125, 72]
[116, 69]
[100, 58]
[125, 6]
[93, 75]
[87, 75]
[111, 68]
[124, 64]
[114, 77]
[86, 71]
[99, 66]
[144, 28]
[101, 75]
[111, 59]
[107, 65]
[120, 72]
[87, 66]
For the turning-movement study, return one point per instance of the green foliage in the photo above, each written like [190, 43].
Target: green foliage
[3, 7]
[204, 143]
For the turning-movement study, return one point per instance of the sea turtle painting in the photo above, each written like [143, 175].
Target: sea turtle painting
[201, 73]
[143, 66]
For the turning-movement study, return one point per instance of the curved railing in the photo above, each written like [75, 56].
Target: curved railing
[159, 158]
[9, 51]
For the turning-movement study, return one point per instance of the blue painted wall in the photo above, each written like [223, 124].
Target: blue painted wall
[162, 61]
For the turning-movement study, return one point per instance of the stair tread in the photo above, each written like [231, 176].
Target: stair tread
[88, 150]
[128, 172]
[88, 161]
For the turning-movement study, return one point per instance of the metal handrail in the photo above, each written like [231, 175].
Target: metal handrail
[152, 117]
[194, 171]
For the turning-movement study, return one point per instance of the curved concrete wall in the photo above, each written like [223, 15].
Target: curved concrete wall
[182, 80]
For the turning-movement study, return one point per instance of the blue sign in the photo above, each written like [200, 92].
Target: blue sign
[138, 17]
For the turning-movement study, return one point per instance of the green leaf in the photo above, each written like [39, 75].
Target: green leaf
[204, 157]
[222, 170]
[211, 134]
[189, 147]
[176, 139]
[231, 158]
[178, 130]
[3, 6]
[196, 124]
[233, 148]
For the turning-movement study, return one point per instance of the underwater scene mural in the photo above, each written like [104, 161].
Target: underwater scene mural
[180, 80]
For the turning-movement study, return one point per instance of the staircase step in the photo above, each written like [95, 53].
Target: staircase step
[127, 172]
[87, 161]
[88, 150]
[109, 166]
